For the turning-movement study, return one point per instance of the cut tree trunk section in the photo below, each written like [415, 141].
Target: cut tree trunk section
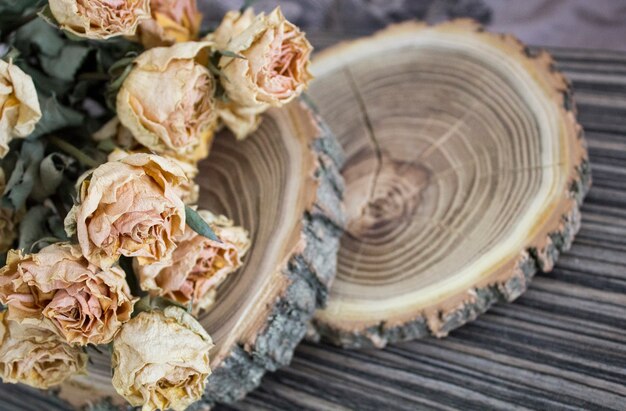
[283, 185]
[465, 169]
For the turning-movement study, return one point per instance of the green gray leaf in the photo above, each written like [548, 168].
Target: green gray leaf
[23, 177]
[14, 12]
[65, 65]
[50, 175]
[59, 57]
[35, 229]
[55, 116]
[197, 224]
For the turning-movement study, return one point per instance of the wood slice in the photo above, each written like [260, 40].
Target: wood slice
[283, 185]
[464, 175]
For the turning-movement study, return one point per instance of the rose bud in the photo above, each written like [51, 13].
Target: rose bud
[272, 66]
[100, 19]
[177, 118]
[161, 360]
[129, 207]
[19, 105]
[233, 24]
[198, 266]
[36, 356]
[86, 305]
[173, 21]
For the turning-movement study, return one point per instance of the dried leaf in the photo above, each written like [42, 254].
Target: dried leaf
[229, 53]
[50, 175]
[23, 177]
[55, 116]
[33, 228]
[197, 224]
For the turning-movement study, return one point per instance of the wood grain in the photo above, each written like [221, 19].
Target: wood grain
[561, 346]
[465, 169]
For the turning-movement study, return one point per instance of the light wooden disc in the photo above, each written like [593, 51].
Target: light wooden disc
[283, 185]
[465, 169]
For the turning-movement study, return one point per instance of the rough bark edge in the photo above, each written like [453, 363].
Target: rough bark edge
[535, 257]
[310, 271]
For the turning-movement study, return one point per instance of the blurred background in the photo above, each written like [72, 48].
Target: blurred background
[599, 24]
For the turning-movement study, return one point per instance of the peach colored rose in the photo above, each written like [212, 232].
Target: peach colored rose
[188, 190]
[233, 24]
[36, 356]
[19, 106]
[177, 118]
[85, 305]
[129, 207]
[100, 19]
[198, 266]
[173, 21]
[275, 67]
[161, 360]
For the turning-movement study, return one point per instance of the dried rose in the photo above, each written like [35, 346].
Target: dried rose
[19, 106]
[85, 305]
[233, 24]
[129, 207]
[36, 356]
[173, 21]
[161, 360]
[178, 117]
[100, 19]
[188, 190]
[199, 265]
[275, 65]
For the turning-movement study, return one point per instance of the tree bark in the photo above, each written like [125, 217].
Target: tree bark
[464, 175]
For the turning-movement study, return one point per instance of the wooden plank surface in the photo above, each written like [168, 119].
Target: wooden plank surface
[562, 345]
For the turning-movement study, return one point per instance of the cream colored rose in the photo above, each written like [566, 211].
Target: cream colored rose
[36, 356]
[85, 305]
[161, 360]
[173, 21]
[100, 19]
[129, 207]
[275, 67]
[19, 106]
[167, 101]
[233, 24]
[198, 266]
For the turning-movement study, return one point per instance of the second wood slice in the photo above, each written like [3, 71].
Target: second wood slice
[464, 176]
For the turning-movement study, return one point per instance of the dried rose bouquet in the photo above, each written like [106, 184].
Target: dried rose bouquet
[106, 108]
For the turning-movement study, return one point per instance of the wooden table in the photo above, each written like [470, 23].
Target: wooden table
[562, 345]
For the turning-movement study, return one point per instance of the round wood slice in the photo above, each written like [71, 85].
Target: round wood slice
[465, 169]
[283, 185]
